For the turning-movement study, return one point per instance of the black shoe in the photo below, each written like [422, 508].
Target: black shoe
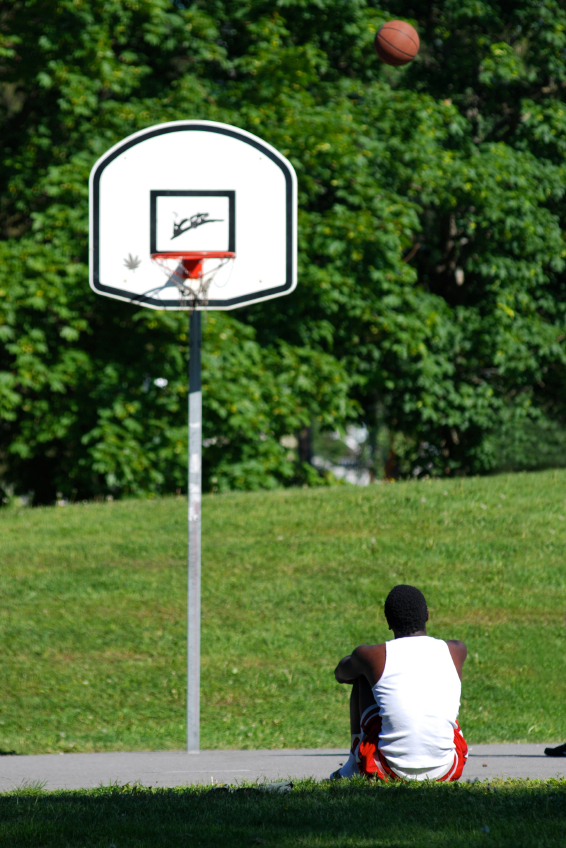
[559, 751]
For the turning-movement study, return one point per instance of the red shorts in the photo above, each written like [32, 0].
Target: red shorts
[372, 763]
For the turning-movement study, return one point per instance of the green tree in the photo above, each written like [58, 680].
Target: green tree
[81, 413]
[431, 282]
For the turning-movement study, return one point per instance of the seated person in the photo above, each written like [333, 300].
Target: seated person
[405, 699]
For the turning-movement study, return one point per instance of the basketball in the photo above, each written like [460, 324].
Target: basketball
[396, 43]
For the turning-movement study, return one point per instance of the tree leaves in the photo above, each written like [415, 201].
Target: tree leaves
[431, 270]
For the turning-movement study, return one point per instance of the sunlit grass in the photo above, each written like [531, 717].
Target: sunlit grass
[92, 618]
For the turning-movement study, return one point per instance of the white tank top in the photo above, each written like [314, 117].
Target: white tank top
[418, 696]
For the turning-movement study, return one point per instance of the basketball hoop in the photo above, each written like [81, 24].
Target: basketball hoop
[188, 273]
[165, 236]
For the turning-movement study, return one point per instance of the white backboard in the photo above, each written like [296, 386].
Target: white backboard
[190, 186]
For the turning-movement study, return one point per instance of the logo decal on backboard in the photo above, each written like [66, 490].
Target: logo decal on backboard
[177, 221]
[132, 262]
[194, 221]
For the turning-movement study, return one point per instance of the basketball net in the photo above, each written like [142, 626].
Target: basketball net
[188, 273]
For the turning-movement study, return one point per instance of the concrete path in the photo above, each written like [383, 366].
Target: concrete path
[176, 768]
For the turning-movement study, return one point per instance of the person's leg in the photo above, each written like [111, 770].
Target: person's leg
[355, 714]
[361, 697]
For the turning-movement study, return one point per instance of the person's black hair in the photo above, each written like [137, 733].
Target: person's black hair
[406, 610]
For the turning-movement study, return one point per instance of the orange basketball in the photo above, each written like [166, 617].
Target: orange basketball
[396, 43]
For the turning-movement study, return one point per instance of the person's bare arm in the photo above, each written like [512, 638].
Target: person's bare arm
[348, 669]
[366, 660]
[458, 652]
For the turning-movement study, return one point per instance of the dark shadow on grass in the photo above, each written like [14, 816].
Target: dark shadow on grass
[9, 753]
[355, 814]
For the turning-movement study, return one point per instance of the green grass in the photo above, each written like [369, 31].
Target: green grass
[93, 605]
[506, 815]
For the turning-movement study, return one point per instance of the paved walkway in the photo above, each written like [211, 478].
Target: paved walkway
[177, 768]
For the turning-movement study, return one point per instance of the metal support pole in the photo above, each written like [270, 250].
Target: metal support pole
[195, 497]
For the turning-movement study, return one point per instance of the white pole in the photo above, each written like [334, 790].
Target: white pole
[195, 498]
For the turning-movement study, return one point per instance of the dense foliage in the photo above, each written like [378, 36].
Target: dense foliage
[432, 291]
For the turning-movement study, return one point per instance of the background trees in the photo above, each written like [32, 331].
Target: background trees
[431, 296]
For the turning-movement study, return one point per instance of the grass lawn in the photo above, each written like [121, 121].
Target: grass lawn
[356, 815]
[93, 604]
